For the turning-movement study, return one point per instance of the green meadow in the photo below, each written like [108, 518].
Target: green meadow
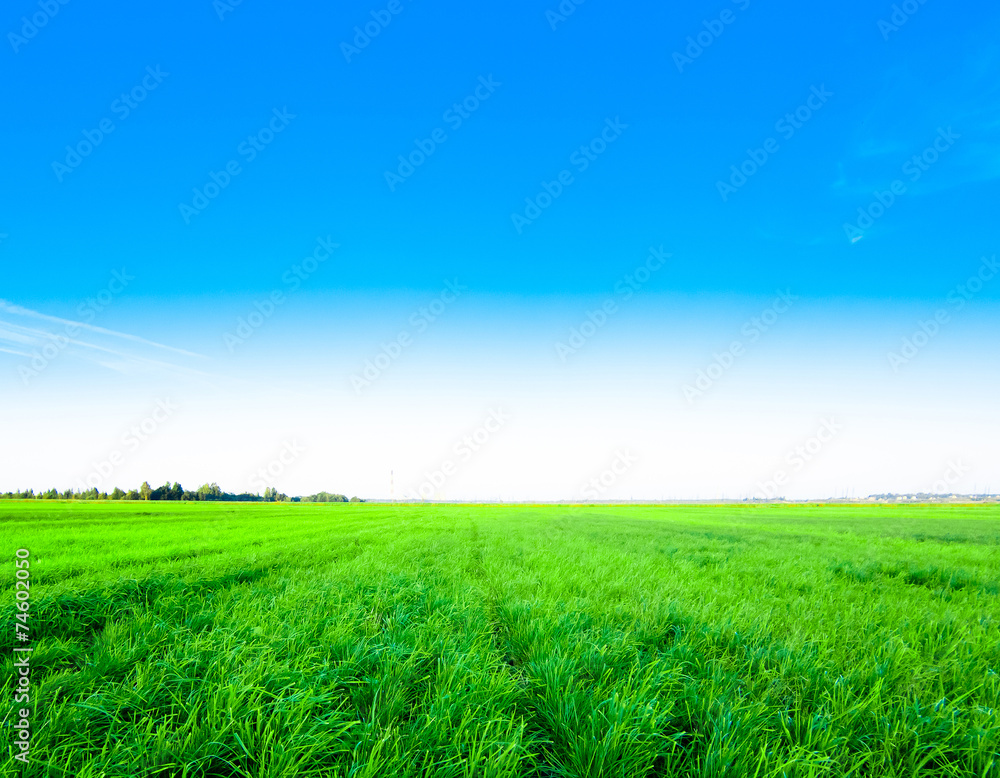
[363, 640]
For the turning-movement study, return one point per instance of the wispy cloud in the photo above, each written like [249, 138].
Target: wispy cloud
[40, 338]
[21, 311]
[963, 95]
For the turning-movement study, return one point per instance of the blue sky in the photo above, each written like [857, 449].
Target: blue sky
[315, 135]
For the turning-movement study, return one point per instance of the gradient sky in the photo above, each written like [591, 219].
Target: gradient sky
[764, 356]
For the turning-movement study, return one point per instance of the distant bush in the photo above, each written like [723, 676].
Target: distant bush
[174, 491]
[325, 497]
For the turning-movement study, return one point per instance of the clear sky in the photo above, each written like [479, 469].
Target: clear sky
[519, 250]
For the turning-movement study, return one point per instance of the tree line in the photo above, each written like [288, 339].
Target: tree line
[174, 491]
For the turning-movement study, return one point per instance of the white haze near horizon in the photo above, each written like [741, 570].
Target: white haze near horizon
[480, 406]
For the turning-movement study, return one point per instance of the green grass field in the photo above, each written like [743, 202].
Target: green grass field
[199, 639]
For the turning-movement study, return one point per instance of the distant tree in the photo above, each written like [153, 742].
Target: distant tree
[242, 497]
[356, 499]
[325, 497]
[161, 492]
[174, 491]
[209, 492]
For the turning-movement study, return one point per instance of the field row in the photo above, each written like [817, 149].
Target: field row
[366, 640]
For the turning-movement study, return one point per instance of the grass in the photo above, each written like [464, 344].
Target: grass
[186, 639]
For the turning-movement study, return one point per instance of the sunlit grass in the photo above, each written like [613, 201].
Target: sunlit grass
[185, 639]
